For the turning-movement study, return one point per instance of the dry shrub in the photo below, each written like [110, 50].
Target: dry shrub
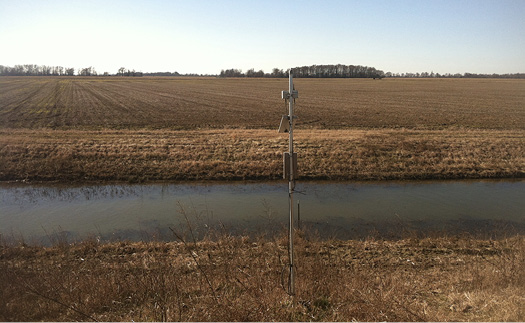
[231, 278]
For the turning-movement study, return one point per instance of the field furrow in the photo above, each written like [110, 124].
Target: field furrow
[23, 108]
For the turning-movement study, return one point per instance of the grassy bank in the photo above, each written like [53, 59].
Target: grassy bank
[237, 278]
[232, 154]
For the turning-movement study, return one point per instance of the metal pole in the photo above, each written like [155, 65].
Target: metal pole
[299, 215]
[291, 188]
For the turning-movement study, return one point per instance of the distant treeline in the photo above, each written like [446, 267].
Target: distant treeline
[36, 70]
[43, 70]
[354, 71]
[313, 71]
[175, 74]
[162, 74]
[338, 71]
[457, 75]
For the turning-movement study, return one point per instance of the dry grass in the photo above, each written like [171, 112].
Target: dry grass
[239, 279]
[155, 155]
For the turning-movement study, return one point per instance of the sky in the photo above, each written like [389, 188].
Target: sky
[204, 37]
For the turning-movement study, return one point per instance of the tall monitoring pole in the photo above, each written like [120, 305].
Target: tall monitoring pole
[290, 172]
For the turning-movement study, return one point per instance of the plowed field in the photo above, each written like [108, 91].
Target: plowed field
[191, 103]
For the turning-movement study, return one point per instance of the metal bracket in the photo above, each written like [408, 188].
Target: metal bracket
[285, 124]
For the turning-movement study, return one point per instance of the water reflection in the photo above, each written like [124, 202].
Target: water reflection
[339, 210]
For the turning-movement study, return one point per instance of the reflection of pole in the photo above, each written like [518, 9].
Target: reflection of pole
[291, 188]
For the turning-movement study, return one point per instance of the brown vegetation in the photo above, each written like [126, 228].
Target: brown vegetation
[158, 155]
[239, 279]
[156, 129]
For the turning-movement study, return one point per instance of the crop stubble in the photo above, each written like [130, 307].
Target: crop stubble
[154, 129]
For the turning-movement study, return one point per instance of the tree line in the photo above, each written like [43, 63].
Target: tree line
[233, 72]
[355, 71]
[312, 71]
[456, 75]
[338, 71]
[44, 70]
[36, 70]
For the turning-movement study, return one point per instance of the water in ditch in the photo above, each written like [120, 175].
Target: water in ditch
[345, 210]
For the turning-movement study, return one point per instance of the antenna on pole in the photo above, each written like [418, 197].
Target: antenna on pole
[290, 173]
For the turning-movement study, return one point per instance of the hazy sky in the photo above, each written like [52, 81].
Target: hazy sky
[447, 36]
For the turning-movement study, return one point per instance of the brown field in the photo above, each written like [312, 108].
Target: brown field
[196, 103]
[156, 129]
[239, 279]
